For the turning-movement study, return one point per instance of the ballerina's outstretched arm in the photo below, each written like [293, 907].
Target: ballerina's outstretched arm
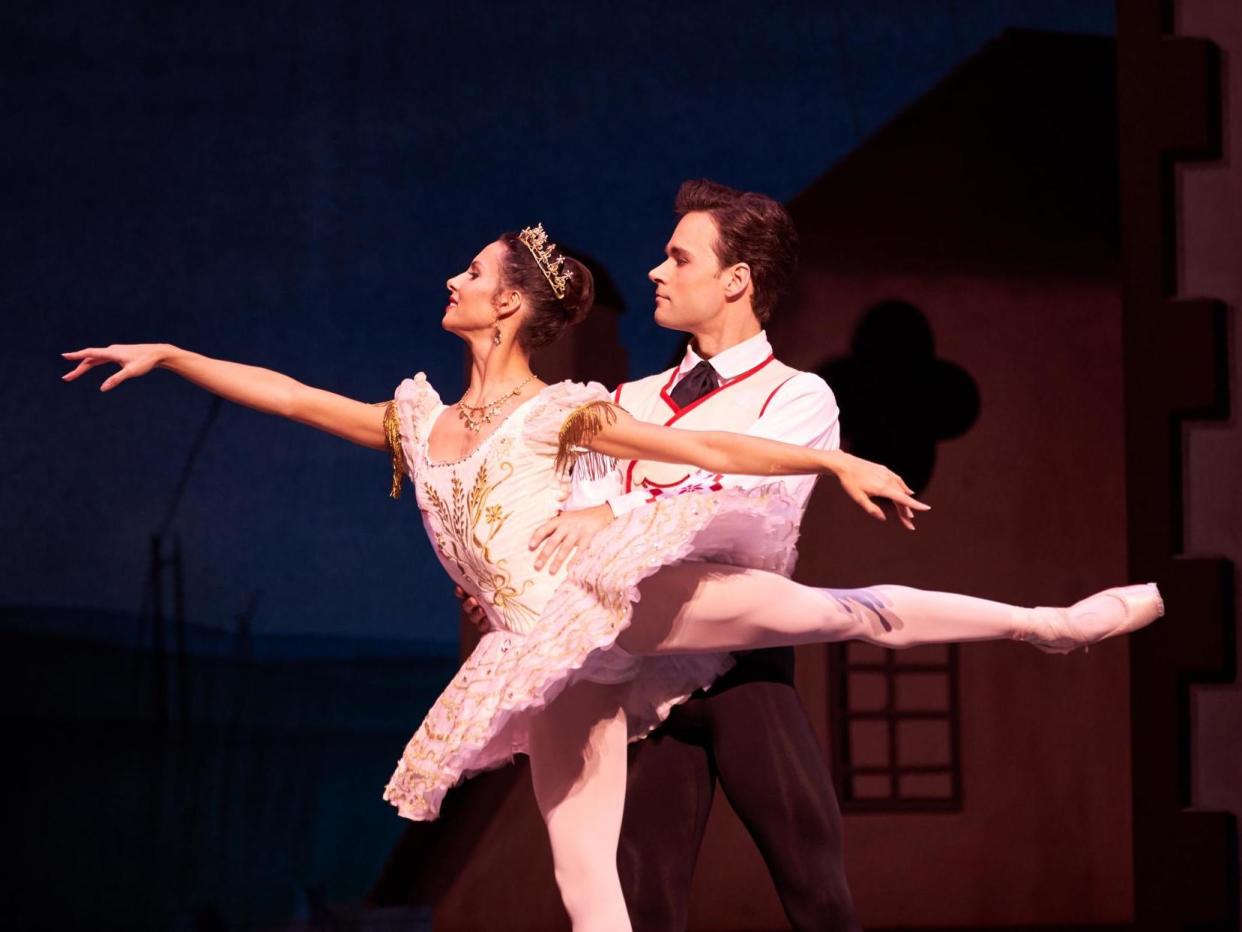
[252, 386]
[608, 429]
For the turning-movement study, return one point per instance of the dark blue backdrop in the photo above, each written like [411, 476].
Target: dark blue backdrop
[290, 184]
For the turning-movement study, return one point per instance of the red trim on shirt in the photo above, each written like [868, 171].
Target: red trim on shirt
[679, 413]
[616, 396]
[649, 484]
[682, 412]
[773, 395]
[664, 395]
[629, 476]
[629, 471]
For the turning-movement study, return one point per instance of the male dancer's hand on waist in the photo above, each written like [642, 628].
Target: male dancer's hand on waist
[568, 535]
[474, 611]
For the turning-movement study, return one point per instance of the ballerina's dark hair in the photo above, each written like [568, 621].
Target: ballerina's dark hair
[549, 315]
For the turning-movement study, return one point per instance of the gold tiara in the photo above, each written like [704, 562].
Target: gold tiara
[536, 241]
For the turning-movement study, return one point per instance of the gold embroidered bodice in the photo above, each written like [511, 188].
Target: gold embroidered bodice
[480, 511]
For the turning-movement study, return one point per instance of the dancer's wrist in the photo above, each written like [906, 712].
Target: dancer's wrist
[833, 461]
[171, 355]
[621, 505]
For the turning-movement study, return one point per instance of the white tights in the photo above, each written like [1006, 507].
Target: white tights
[695, 607]
[578, 748]
[578, 765]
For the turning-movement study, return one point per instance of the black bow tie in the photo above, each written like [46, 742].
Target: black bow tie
[695, 384]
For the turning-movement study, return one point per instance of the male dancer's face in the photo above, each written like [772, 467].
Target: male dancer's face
[690, 289]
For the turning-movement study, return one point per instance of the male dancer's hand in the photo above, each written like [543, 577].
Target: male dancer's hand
[568, 532]
[473, 610]
[470, 605]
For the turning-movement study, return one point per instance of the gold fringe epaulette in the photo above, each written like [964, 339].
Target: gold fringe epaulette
[579, 429]
[392, 433]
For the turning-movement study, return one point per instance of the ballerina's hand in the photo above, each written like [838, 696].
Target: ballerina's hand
[864, 480]
[135, 359]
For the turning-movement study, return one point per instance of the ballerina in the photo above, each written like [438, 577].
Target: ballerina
[579, 661]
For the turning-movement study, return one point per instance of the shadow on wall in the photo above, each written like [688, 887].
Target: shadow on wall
[902, 400]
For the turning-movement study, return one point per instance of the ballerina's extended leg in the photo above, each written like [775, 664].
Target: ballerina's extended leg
[578, 767]
[731, 608]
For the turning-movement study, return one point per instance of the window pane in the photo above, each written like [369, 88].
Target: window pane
[922, 692]
[925, 786]
[872, 786]
[923, 742]
[869, 743]
[868, 692]
[891, 712]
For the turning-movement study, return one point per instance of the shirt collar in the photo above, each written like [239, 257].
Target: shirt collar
[732, 362]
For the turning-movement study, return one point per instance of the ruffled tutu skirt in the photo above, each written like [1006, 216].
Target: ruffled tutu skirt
[482, 719]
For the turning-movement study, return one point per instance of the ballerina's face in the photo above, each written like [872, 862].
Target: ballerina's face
[472, 306]
[690, 289]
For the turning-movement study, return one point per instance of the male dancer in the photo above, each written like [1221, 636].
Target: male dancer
[728, 262]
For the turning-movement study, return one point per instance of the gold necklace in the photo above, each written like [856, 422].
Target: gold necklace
[490, 409]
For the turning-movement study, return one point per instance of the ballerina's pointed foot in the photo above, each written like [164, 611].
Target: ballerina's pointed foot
[1103, 615]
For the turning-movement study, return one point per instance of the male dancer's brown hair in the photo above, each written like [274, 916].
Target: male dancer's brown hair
[753, 228]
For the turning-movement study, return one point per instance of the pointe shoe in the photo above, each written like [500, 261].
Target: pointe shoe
[1103, 615]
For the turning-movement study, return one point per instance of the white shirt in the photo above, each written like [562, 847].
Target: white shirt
[803, 411]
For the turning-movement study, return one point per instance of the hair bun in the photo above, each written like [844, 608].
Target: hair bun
[579, 291]
[548, 315]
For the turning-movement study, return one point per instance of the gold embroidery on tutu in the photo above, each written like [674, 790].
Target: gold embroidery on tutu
[463, 732]
[459, 541]
[453, 723]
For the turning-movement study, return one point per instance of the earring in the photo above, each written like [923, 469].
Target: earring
[496, 336]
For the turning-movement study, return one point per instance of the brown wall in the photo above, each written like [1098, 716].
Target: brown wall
[1027, 508]
[1209, 209]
